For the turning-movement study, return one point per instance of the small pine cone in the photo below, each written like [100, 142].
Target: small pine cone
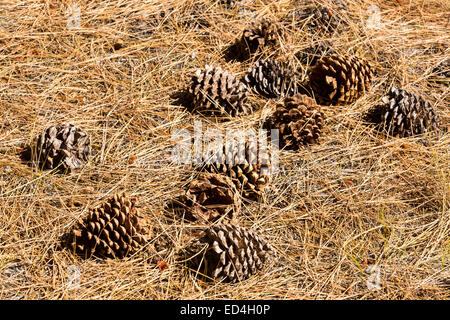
[340, 79]
[272, 79]
[310, 55]
[113, 230]
[405, 114]
[63, 146]
[247, 164]
[208, 198]
[299, 121]
[258, 35]
[320, 18]
[215, 91]
[195, 16]
[232, 253]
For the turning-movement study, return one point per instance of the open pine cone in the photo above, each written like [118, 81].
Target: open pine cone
[318, 18]
[405, 114]
[208, 198]
[258, 35]
[245, 163]
[272, 79]
[299, 121]
[63, 146]
[230, 253]
[218, 92]
[339, 79]
[113, 230]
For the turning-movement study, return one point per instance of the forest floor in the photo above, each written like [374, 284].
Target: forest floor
[361, 215]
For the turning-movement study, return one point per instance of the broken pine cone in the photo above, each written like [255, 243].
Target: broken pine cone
[405, 114]
[208, 198]
[299, 121]
[340, 79]
[113, 230]
[218, 92]
[230, 253]
[272, 79]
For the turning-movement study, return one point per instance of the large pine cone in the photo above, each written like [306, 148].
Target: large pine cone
[258, 35]
[405, 114]
[112, 230]
[246, 164]
[299, 121]
[63, 146]
[340, 79]
[232, 253]
[272, 79]
[207, 199]
[218, 92]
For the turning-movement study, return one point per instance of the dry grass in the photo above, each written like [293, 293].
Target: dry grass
[360, 198]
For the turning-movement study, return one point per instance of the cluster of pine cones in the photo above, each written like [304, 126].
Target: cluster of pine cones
[334, 79]
[226, 251]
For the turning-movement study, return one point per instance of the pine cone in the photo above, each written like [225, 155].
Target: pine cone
[319, 18]
[310, 55]
[232, 253]
[195, 16]
[215, 91]
[405, 114]
[272, 79]
[208, 198]
[340, 79]
[63, 146]
[299, 121]
[246, 164]
[260, 34]
[112, 230]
